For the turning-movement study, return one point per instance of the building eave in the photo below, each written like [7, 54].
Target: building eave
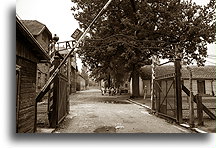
[42, 55]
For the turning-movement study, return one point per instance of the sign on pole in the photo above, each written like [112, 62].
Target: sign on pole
[77, 34]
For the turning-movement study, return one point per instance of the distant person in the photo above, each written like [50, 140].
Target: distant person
[117, 90]
[105, 90]
[112, 91]
[109, 91]
[102, 90]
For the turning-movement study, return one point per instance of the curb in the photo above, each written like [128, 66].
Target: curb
[143, 105]
[193, 129]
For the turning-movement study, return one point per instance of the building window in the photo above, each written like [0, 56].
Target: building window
[201, 87]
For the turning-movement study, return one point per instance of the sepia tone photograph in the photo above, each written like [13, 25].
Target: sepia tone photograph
[115, 66]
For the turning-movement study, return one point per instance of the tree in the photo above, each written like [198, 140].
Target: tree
[126, 36]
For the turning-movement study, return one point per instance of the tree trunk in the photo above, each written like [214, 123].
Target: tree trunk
[135, 83]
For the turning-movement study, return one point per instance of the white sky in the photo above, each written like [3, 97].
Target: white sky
[57, 16]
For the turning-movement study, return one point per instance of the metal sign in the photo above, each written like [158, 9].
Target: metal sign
[77, 34]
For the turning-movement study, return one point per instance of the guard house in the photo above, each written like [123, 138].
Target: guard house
[28, 53]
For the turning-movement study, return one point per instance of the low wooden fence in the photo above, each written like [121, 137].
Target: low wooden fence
[205, 105]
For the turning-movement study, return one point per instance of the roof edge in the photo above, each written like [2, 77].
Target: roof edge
[43, 52]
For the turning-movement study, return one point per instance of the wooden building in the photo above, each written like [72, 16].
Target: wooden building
[28, 53]
[42, 34]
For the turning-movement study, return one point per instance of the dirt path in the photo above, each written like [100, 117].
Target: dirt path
[90, 112]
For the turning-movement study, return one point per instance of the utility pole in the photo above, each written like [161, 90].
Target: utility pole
[191, 104]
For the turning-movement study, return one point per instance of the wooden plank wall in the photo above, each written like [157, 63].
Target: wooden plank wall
[27, 93]
[24, 49]
[26, 112]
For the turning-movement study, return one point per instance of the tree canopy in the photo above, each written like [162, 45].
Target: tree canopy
[129, 32]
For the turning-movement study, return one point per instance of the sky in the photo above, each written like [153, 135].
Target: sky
[58, 18]
[55, 14]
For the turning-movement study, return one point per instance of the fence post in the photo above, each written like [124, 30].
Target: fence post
[191, 104]
[178, 90]
[152, 84]
[199, 110]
